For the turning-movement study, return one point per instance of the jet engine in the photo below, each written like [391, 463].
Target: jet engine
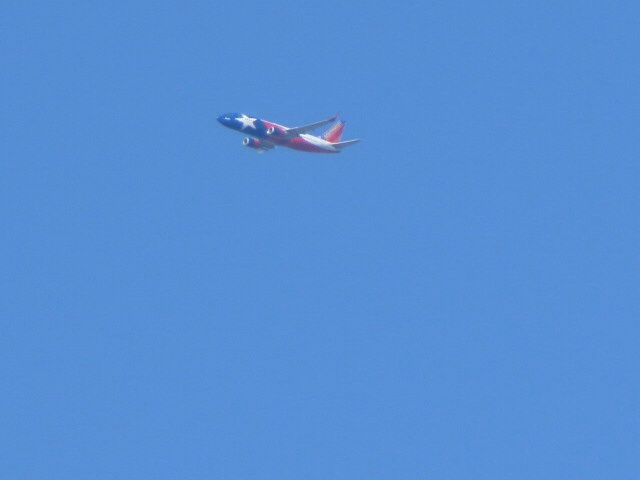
[252, 143]
[258, 145]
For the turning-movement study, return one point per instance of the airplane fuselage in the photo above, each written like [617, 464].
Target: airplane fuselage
[264, 135]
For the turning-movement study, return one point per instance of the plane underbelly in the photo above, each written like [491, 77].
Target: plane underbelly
[310, 143]
[302, 144]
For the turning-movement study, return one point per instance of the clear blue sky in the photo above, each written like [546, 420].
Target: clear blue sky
[456, 297]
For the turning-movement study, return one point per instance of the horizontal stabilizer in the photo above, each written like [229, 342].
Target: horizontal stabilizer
[341, 145]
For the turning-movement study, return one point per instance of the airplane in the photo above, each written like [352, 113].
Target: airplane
[264, 135]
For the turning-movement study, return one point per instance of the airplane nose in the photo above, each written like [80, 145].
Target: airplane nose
[221, 119]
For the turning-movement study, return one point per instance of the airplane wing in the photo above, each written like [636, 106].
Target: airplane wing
[311, 126]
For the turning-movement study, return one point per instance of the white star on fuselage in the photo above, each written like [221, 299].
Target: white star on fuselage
[246, 122]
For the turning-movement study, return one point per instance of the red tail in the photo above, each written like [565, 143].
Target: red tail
[335, 133]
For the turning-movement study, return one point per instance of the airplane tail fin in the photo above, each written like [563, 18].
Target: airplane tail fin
[341, 145]
[334, 134]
